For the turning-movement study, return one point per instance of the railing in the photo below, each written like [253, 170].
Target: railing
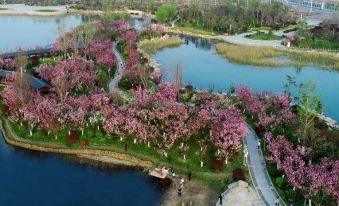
[312, 4]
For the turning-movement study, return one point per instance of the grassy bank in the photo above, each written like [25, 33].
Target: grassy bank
[194, 30]
[46, 10]
[151, 46]
[267, 56]
[314, 58]
[318, 44]
[263, 36]
[249, 55]
[216, 180]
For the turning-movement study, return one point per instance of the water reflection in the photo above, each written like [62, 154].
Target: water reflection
[204, 44]
[205, 69]
[34, 178]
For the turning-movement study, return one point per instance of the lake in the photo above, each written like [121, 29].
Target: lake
[39, 179]
[205, 69]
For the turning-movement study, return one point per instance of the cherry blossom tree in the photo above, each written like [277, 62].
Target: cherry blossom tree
[7, 63]
[268, 110]
[101, 50]
[309, 178]
[68, 75]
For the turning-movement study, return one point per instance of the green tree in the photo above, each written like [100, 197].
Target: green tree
[309, 107]
[165, 13]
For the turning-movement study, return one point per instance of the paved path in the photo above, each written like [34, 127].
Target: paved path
[113, 84]
[35, 82]
[258, 172]
[22, 9]
[241, 39]
[240, 194]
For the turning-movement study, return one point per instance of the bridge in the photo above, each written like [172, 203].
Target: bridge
[326, 5]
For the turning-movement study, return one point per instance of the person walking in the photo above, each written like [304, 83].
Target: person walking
[220, 199]
[179, 191]
[182, 181]
[126, 147]
[277, 201]
[189, 176]
[259, 143]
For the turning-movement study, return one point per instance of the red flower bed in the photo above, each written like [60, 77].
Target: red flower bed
[85, 143]
[238, 174]
[5, 109]
[72, 138]
[218, 164]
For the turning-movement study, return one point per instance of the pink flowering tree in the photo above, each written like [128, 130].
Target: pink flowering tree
[7, 63]
[50, 115]
[228, 127]
[69, 75]
[269, 111]
[76, 111]
[101, 51]
[310, 179]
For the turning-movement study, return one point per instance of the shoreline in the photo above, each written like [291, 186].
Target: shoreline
[192, 190]
[26, 10]
[185, 33]
[118, 157]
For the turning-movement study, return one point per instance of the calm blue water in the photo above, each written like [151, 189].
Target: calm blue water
[205, 70]
[27, 32]
[38, 179]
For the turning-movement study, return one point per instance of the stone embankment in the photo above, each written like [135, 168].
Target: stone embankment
[95, 153]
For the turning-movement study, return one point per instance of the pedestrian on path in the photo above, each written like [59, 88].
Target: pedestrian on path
[179, 191]
[245, 155]
[220, 199]
[189, 176]
[182, 180]
[259, 143]
[277, 201]
[126, 147]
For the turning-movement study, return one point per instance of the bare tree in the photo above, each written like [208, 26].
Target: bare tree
[144, 74]
[176, 76]
[21, 79]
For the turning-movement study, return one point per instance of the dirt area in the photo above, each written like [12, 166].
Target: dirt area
[193, 194]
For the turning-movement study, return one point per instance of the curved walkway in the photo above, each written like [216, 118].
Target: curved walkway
[241, 39]
[112, 85]
[258, 172]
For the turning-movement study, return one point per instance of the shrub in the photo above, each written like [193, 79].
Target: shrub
[279, 181]
[272, 170]
[128, 83]
[5, 109]
[72, 138]
[238, 174]
[85, 143]
[218, 164]
[165, 13]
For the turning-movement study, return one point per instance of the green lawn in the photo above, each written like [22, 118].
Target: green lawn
[153, 45]
[195, 30]
[264, 36]
[318, 44]
[46, 10]
[217, 180]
